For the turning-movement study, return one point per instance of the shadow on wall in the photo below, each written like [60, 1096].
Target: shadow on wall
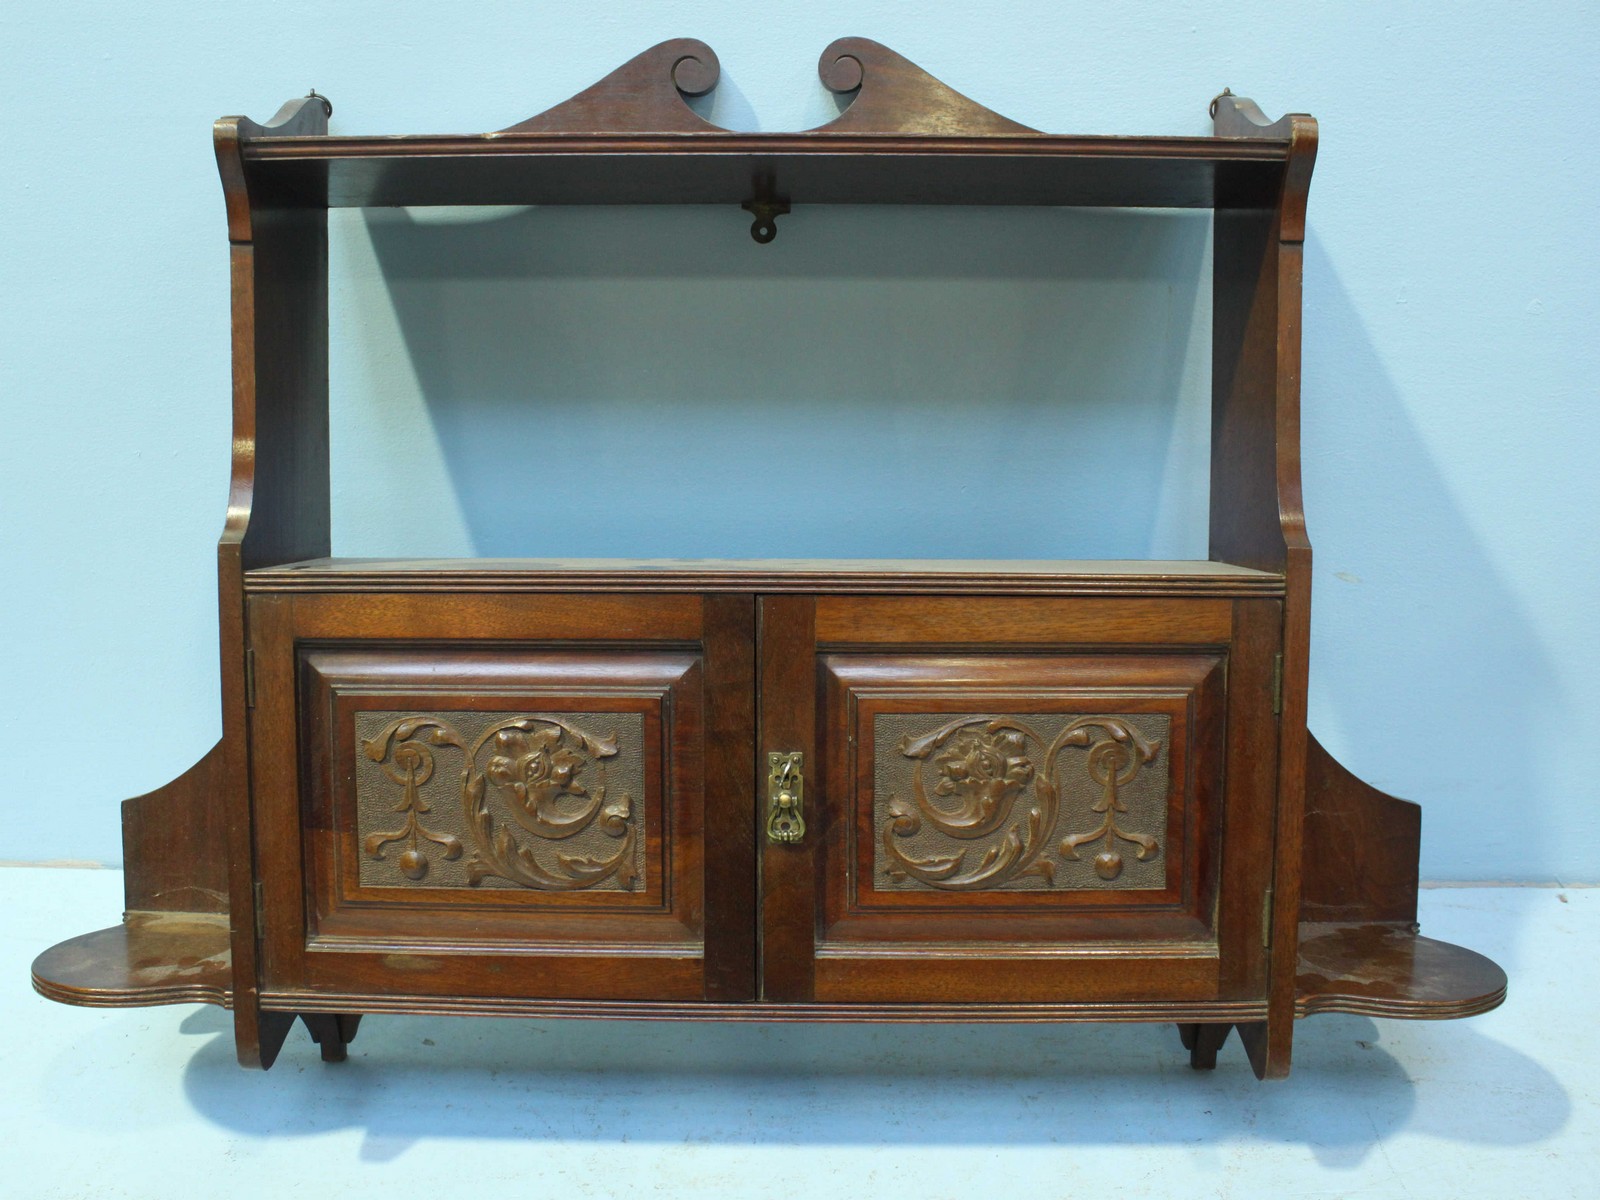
[877, 382]
[1428, 679]
[781, 1084]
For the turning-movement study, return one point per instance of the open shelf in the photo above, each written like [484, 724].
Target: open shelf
[717, 168]
[1069, 577]
[902, 137]
[1391, 971]
[151, 958]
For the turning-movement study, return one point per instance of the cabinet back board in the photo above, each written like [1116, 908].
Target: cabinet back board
[937, 383]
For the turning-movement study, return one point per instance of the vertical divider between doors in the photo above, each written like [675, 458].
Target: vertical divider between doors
[731, 811]
[786, 722]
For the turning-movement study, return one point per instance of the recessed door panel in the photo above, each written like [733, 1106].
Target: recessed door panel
[529, 789]
[1042, 784]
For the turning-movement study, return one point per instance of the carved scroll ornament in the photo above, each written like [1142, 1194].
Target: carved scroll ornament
[544, 771]
[997, 797]
[887, 93]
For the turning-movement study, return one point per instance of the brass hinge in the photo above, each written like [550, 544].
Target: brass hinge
[250, 678]
[1277, 684]
[1266, 918]
[261, 912]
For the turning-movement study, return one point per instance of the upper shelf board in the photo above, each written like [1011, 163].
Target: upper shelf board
[632, 138]
[1140, 577]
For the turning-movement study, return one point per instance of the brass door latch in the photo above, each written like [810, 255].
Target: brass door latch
[786, 820]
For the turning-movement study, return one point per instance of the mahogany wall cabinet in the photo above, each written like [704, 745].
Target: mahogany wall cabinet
[774, 790]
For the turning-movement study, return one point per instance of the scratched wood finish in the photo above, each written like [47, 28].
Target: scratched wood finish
[1361, 848]
[1380, 970]
[151, 958]
[174, 843]
[514, 618]
[1316, 908]
[892, 619]
[891, 94]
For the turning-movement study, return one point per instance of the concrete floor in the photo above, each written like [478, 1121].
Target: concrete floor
[149, 1103]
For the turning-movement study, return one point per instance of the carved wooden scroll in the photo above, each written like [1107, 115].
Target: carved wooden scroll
[894, 95]
[890, 94]
[1026, 802]
[643, 95]
[538, 800]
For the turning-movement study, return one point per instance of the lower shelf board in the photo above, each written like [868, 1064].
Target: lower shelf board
[1391, 971]
[1374, 970]
[151, 958]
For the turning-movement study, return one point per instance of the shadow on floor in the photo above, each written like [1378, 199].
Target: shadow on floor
[413, 1079]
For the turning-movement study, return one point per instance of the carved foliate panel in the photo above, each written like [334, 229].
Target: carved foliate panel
[463, 799]
[1029, 802]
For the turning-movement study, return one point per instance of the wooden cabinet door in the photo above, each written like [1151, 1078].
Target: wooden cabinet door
[504, 797]
[1020, 800]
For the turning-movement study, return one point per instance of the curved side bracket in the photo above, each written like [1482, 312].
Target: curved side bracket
[1361, 847]
[304, 116]
[172, 946]
[174, 845]
[894, 95]
[1240, 117]
[1358, 947]
[643, 95]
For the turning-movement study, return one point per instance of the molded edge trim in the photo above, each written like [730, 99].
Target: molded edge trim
[637, 1010]
[150, 959]
[1380, 970]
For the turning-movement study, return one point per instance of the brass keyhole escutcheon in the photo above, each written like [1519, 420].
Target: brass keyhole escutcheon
[786, 820]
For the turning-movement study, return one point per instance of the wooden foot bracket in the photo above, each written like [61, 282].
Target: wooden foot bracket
[333, 1032]
[1202, 1042]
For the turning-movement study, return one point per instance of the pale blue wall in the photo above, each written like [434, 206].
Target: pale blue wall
[974, 395]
